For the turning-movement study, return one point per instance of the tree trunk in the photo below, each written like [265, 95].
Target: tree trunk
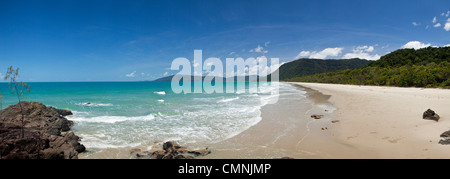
[21, 111]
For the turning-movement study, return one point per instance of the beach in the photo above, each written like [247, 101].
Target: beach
[358, 122]
[387, 121]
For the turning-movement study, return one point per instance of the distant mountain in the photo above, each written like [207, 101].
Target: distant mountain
[236, 78]
[167, 78]
[306, 67]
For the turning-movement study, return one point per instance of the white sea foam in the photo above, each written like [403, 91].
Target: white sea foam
[95, 104]
[228, 100]
[160, 92]
[101, 141]
[111, 119]
[161, 100]
[76, 113]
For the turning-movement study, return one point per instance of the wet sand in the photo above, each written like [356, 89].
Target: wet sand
[287, 130]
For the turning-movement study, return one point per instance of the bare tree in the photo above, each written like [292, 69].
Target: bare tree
[17, 88]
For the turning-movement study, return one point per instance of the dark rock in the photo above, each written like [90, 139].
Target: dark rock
[43, 138]
[430, 115]
[316, 116]
[64, 112]
[171, 150]
[444, 141]
[201, 152]
[285, 158]
[446, 136]
[75, 142]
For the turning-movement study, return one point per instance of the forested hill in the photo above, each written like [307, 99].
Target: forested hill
[305, 67]
[427, 67]
[414, 57]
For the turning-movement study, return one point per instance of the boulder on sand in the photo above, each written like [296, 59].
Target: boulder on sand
[446, 140]
[430, 115]
[316, 116]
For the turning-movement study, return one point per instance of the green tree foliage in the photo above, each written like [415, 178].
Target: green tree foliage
[305, 67]
[428, 67]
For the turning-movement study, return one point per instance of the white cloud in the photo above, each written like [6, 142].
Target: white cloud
[231, 53]
[303, 54]
[415, 24]
[437, 25]
[361, 55]
[364, 48]
[415, 45]
[131, 75]
[447, 25]
[362, 52]
[328, 52]
[266, 44]
[259, 49]
[448, 45]
[166, 73]
[434, 20]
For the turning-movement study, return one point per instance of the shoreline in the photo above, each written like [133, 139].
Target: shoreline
[287, 130]
[386, 122]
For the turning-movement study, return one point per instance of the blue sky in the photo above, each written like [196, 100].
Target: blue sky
[137, 40]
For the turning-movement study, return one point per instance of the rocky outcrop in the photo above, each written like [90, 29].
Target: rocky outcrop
[430, 115]
[47, 133]
[171, 150]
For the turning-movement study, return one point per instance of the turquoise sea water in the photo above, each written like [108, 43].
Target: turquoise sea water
[131, 114]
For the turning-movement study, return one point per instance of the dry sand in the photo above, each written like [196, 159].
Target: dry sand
[386, 122]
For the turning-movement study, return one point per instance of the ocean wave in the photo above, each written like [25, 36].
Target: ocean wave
[160, 92]
[95, 104]
[228, 100]
[111, 119]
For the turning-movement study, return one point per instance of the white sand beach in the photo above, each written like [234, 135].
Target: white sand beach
[387, 121]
